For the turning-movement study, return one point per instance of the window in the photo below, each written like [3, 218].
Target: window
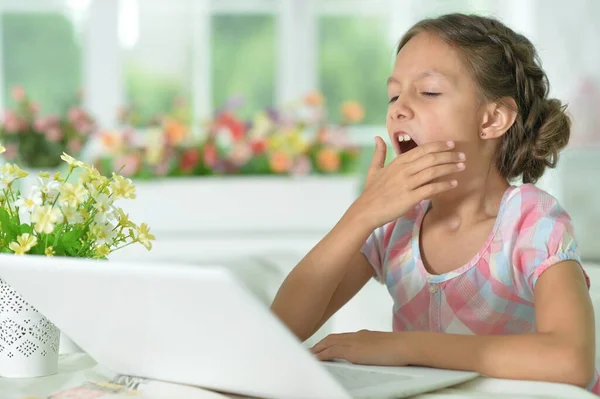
[243, 61]
[156, 41]
[355, 58]
[41, 53]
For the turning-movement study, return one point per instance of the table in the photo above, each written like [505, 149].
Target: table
[78, 368]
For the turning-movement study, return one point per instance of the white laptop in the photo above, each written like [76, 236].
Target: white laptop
[197, 326]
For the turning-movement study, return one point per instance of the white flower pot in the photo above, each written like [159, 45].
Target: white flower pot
[29, 343]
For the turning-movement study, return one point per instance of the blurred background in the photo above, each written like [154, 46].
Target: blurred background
[247, 125]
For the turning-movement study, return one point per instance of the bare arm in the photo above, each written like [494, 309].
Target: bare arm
[328, 276]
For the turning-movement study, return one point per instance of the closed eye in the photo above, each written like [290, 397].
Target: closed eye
[393, 99]
[430, 94]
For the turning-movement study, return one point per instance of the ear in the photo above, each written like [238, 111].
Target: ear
[498, 118]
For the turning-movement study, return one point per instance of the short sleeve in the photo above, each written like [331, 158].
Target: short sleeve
[546, 237]
[374, 249]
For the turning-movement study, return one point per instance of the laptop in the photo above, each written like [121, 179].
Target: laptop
[197, 326]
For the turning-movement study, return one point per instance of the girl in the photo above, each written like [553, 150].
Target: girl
[485, 275]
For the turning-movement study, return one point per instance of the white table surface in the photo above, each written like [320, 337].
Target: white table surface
[76, 369]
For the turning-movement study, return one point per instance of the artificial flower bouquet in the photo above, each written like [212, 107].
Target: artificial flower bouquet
[63, 218]
[296, 140]
[37, 141]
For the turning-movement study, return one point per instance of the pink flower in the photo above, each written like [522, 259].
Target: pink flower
[84, 127]
[301, 167]
[18, 93]
[13, 123]
[162, 169]
[129, 163]
[76, 114]
[240, 154]
[53, 134]
[74, 146]
[40, 125]
[34, 108]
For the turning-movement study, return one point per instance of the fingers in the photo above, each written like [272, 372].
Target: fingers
[432, 189]
[433, 159]
[434, 172]
[379, 156]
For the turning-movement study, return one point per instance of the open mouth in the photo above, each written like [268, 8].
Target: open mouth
[403, 142]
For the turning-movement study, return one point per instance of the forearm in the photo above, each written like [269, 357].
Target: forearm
[539, 356]
[304, 295]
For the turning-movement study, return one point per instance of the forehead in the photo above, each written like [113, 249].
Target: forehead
[427, 54]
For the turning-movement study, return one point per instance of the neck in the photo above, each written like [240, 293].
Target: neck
[475, 198]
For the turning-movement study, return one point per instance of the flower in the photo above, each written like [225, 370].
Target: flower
[29, 203]
[2, 149]
[280, 162]
[68, 218]
[352, 111]
[44, 218]
[122, 187]
[314, 98]
[144, 237]
[23, 244]
[328, 160]
[72, 162]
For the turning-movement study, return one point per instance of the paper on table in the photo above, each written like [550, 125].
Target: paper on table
[133, 387]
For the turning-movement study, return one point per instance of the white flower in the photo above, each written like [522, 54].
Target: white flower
[104, 204]
[103, 233]
[28, 203]
[47, 186]
[72, 215]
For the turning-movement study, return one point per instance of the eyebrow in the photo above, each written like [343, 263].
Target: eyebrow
[425, 74]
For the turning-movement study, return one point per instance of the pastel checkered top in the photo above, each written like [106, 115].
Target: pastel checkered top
[493, 292]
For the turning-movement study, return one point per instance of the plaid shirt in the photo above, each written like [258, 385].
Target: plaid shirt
[493, 292]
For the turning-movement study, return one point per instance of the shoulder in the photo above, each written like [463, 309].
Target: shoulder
[528, 206]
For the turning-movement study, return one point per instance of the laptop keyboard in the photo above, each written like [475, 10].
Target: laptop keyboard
[351, 378]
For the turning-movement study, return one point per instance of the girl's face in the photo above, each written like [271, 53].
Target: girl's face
[432, 97]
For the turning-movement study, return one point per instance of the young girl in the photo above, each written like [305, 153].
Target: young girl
[485, 276]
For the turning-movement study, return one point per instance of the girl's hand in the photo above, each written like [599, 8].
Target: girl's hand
[364, 347]
[390, 191]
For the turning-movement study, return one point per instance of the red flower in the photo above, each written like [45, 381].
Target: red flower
[189, 160]
[258, 146]
[210, 155]
[236, 127]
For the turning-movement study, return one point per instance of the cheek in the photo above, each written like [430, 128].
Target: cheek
[451, 123]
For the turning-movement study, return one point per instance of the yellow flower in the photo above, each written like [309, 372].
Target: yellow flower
[2, 149]
[102, 251]
[72, 162]
[24, 243]
[49, 251]
[73, 195]
[144, 237]
[45, 217]
[124, 219]
[89, 174]
[122, 187]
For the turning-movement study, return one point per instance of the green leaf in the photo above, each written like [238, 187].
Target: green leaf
[9, 226]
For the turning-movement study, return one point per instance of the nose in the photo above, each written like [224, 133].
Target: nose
[400, 109]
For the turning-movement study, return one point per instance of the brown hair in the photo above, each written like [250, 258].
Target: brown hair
[506, 64]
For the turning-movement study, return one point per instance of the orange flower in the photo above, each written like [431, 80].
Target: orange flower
[314, 99]
[328, 160]
[175, 132]
[352, 111]
[280, 162]
[110, 140]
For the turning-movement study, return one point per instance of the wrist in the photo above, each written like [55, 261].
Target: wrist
[358, 217]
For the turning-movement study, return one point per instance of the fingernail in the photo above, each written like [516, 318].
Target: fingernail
[460, 165]
[450, 144]
[454, 182]
[461, 156]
